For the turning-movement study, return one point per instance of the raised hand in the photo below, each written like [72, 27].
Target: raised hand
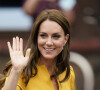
[19, 61]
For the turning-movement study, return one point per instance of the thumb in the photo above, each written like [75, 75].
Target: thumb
[28, 52]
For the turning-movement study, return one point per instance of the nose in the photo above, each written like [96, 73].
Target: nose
[49, 42]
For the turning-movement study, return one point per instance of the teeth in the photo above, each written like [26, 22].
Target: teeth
[49, 49]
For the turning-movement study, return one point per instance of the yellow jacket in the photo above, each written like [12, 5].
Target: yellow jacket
[42, 81]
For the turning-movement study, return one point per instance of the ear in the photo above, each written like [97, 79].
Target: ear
[66, 39]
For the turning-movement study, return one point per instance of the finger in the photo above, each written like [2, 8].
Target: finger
[9, 47]
[21, 44]
[28, 52]
[14, 44]
[17, 43]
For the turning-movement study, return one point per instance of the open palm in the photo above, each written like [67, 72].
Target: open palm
[19, 61]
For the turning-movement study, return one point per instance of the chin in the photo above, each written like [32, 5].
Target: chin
[48, 57]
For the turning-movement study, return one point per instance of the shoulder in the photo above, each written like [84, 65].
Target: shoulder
[69, 83]
[71, 75]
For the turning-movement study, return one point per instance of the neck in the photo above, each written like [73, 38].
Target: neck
[49, 63]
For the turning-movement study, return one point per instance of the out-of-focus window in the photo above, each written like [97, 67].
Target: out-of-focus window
[13, 17]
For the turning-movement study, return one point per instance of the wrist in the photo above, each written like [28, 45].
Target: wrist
[16, 71]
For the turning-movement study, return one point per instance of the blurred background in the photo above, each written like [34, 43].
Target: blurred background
[83, 16]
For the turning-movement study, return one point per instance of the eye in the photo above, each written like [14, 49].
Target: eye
[43, 35]
[56, 36]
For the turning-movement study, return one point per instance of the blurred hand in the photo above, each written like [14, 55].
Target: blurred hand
[19, 61]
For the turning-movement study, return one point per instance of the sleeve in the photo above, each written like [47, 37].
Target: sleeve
[72, 81]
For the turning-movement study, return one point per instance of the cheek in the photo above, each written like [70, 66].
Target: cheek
[40, 42]
[59, 44]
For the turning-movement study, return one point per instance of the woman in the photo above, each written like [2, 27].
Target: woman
[45, 66]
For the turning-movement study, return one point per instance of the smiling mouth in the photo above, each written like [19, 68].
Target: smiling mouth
[49, 49]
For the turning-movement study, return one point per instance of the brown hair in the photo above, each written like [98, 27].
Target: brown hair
[62, 59]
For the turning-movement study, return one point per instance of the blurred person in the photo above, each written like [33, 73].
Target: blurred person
[45, 63]
[69, 8]
[34, 7]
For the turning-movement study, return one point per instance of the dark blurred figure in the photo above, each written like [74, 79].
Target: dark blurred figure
[34, 7]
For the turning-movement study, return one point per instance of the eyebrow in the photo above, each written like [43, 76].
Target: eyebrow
[42, 33]
[53, 33]
[57, 33]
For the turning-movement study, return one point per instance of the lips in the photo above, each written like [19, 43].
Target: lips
[49, 49]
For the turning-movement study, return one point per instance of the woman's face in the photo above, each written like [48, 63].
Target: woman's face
[51, 39]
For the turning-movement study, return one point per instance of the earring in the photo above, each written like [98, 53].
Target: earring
[62, 47]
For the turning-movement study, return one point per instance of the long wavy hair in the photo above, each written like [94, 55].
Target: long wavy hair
[62, 62]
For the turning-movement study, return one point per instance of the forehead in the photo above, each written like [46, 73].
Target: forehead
[50, 26]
